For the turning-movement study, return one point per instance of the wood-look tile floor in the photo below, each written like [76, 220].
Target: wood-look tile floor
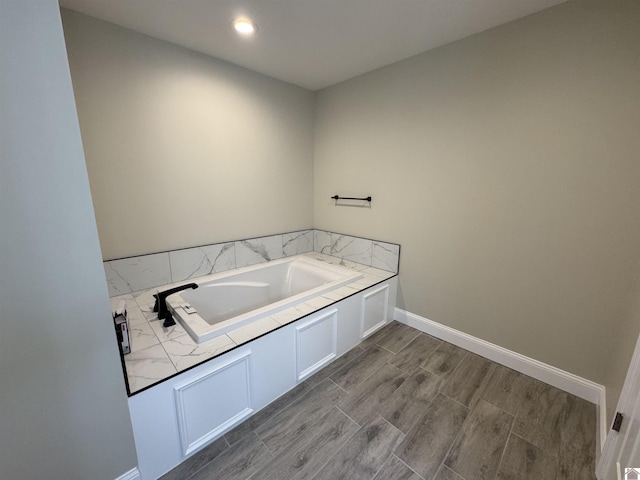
[403, 405]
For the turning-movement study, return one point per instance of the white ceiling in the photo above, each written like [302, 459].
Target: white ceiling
[311, 43]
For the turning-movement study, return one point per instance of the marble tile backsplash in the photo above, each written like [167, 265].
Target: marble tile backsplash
[385, 256]
[349, 248]
[373, 253]
[297, 242]
[133, 274]
[258, 250]
[137, 273]
[322, 242]
[201, 261]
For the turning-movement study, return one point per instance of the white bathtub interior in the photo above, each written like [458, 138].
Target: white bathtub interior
[230, 300]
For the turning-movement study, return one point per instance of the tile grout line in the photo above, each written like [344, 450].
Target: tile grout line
[383, 347]
[365, 378]
[206, 464]
[451, 448]
[545, 452]
[340, 387]
[442, 467]
[257, 470]
[403, 347]
[504, 447]
[452, 371]
[348, 416]
[307, 442]
[454, 400]
[403, 436]
[314, 475]
[416, 425]
[393, 426]
[393, 454]
[382, 466]
[273, 455]
[170, 269]
[512, 415]
[277, 412]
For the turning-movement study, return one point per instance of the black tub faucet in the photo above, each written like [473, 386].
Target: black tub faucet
[161, 303]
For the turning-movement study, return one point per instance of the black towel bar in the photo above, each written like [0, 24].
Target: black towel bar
[338, 197]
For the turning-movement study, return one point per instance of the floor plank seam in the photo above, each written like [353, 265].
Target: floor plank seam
[339, 386]
[392, 425]
[513, 415]
[452, 372]
[455, 440]
[273, 454]
[206, 464]
[400, 349]
[454, 400]
[382, 466]
[504, 448]
[401, 461]
[363, 379]
[346, 440]
[421, 367]
[385, 349]
[348, 416]
[419, 419]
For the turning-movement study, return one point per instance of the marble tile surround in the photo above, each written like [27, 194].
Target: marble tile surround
[258, 250]
[158, 353]
[201, 261]
[373, 253]
[139, 273]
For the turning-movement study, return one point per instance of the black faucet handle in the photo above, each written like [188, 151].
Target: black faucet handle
[161, 299]
[168, 320]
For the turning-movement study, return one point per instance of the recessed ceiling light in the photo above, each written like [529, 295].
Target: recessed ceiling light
[244, 26]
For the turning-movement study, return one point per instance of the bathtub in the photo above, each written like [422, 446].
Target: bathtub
[229, 300]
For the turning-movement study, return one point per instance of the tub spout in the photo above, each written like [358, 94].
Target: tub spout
[161, 303]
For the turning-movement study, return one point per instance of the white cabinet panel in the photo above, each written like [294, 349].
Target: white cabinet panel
[374, 310]
[273, 365]
[349, 323]
[212, 402]
[316, 343]
[155, 430]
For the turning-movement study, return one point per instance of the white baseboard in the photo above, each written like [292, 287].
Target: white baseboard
[603, 427]
[133, 474]
[566, 381]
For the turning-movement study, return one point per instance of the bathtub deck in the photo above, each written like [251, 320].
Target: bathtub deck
[432, 411]
[158, 353]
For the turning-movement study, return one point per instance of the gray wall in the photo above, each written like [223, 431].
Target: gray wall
[506, 164]
[63, 408]
[184, 149]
